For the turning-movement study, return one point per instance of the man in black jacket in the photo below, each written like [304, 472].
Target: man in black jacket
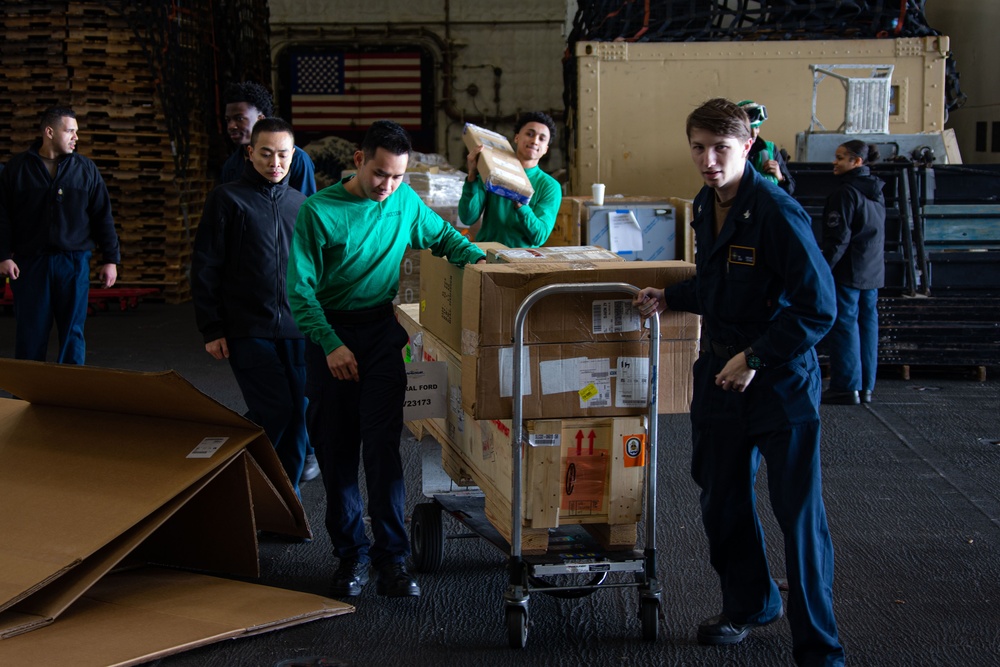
[54, 207]
[238, 286]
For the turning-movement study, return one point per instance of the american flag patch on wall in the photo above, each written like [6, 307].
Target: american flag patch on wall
[347, 91]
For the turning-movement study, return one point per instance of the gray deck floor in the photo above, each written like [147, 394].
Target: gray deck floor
[913, 503]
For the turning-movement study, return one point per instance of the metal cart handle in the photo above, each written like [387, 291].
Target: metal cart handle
[517, 425]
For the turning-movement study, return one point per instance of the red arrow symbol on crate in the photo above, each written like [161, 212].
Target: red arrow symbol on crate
[579, 443]
[590, 439]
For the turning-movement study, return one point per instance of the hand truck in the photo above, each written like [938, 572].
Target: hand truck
[528, 573]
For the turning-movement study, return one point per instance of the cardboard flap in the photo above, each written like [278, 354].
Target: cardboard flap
[275, 505]
[73, 480]
[164, 394]
[82, 487]
[270, 510]
[213, 532]
[133, 617]
[44, 603]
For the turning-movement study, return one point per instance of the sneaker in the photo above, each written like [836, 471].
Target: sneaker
[350, 576]
[394, 581]
[310, 470]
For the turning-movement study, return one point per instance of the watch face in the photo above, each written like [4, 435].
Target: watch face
[753, 361]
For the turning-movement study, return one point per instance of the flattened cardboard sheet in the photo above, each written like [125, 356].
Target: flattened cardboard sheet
[96, 465]
[132, 617]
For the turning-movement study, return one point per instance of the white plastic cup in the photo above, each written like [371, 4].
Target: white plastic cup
[598, 193]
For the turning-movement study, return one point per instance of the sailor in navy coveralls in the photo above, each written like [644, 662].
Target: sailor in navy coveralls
[766, 297]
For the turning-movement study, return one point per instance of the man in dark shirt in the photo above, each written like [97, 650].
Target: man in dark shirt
[246, 103]
[54, 208]
[238, 284]
[766, 297]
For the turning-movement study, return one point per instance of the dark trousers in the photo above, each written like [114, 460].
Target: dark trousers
[51, 288]
[360, 423]
[725, 458]
[272, 376]
[853, 340]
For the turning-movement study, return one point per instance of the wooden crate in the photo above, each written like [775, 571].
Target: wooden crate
[560, 486]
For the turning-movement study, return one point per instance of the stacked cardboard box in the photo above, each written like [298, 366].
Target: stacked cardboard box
[441, 295]
[596, 337]
[576, 471]
[585, 354]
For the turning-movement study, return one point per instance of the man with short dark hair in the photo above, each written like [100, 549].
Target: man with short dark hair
[54, 208]
[766, 297]
[505, 221]
[246, 103]
[343, 274]
[238, 285]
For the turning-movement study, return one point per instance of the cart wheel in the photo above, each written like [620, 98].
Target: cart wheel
[427, 537]
[649, 614]
[517, 626]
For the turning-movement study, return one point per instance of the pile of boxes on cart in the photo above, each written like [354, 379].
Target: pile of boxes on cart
[585, 382]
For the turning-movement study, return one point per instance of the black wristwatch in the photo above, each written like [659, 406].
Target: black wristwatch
[753, 361]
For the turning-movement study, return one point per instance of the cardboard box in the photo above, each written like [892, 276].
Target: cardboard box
[596, 379]
[499, 168]
[100, 468]
[441, 295]
[409, 268]
[424, 346]
[569, 254]
[492, 294]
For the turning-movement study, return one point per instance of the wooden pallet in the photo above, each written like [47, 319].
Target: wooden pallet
[907, 371]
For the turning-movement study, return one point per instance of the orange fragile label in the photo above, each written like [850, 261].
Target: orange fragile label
[583, 483]
[635, 450]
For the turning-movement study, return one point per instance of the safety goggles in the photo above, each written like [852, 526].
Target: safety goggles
[757, 114]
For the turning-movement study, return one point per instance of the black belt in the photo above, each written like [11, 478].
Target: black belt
[364, 316]
[723, 351]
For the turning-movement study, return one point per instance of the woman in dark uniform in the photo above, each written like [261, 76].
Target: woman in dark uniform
[853, 241]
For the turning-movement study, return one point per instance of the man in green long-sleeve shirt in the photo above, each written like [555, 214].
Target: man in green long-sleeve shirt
[343, 273]
[505, 221]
